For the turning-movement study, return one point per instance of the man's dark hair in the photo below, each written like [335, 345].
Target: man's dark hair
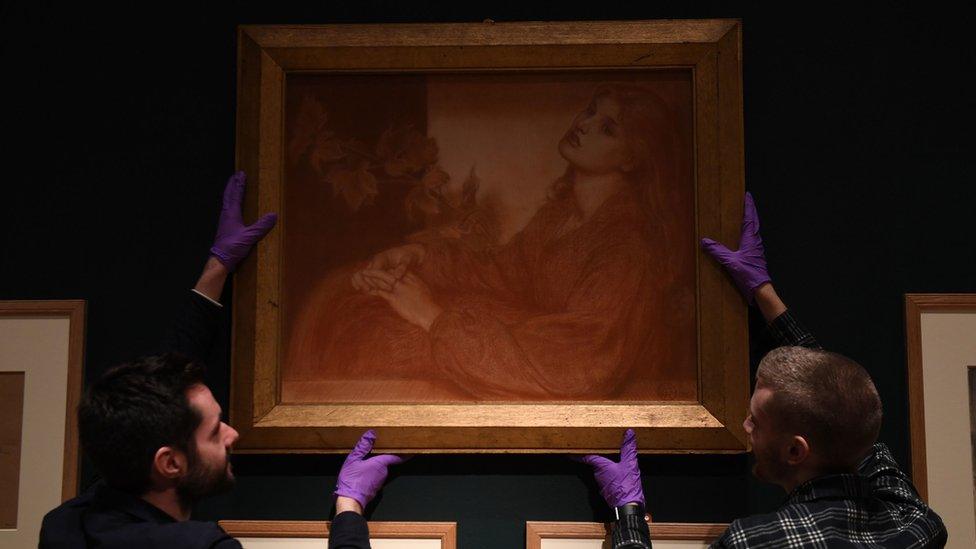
[826, 397]
[133, 410]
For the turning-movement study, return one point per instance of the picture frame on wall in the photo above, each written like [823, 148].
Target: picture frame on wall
[41, 362]
[448, 268]
[941, 348]
[275, 534]
[595, 535]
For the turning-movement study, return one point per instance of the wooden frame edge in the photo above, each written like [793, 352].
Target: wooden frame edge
[517, 33]
[916, 401]
[446, 532]
[75, 310]
[535, 531]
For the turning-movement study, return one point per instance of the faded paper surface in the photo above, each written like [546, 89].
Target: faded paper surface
[38, 346]
[11, 427]
[540, 305]
[948, 347]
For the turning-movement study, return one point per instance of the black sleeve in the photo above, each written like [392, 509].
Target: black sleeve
[227, 543]
[348, 531]
[630, 532]
[786, 329]
[195, 328]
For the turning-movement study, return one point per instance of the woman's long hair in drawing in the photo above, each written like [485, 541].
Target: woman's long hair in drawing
[660, 171]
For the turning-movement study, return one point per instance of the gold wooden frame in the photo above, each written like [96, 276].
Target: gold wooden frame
[446, 532]
[535, 532]
[710, 49]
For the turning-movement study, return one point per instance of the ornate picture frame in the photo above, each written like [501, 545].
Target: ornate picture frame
[710, 52]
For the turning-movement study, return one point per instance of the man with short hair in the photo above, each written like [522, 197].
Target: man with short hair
[812, 423]
[828, 397]
[153, 430]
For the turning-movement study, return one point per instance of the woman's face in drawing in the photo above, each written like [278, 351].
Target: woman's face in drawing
[596, 142]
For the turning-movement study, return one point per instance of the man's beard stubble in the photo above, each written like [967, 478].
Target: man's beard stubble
[201, 481]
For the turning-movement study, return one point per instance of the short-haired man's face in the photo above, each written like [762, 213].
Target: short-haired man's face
[766, 440]
[209, 470]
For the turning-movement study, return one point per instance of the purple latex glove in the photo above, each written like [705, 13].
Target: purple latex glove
[361, 478]
[747, 265]
[234, 239]
[620, 483]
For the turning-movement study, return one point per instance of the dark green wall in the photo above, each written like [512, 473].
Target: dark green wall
[118, 129]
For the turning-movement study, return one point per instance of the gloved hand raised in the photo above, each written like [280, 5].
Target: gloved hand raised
[234, 239]
[620, 483]
[747, 265]
[360, 477]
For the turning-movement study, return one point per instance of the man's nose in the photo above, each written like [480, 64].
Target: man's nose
[234, 435]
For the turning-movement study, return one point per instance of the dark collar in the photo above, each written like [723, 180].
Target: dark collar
[112, 499]
[845, 486]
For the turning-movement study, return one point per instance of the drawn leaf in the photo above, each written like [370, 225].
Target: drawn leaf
[327, 149]
[435, 178]
[355, 146]
[309, 121]
[356, 185]
[385, 145]
[406, 152]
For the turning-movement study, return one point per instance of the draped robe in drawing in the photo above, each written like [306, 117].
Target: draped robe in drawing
[563, 311]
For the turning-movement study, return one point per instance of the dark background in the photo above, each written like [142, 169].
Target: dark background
[118, 135]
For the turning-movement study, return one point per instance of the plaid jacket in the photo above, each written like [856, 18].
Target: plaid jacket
[878, 507]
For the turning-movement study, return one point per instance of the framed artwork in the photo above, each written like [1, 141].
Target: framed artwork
[282, 534]
[488, 237]
[595, 535]
[41, 355]
[941, 346]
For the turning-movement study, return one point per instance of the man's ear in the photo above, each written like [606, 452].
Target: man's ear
[169, 463]
[798, 451]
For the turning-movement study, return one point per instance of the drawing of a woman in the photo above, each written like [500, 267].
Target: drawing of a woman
[566, 309]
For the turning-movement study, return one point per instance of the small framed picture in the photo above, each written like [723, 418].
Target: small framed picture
[941, 346]
[41, 356]
[595, 535]
[294, 534]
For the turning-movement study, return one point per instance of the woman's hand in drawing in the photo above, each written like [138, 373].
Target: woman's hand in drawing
[387, 267]
[410, 298]
[399, 259]
[367, 280]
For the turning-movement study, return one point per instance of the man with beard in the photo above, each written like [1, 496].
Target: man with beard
[153, 430]
[813, 424]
